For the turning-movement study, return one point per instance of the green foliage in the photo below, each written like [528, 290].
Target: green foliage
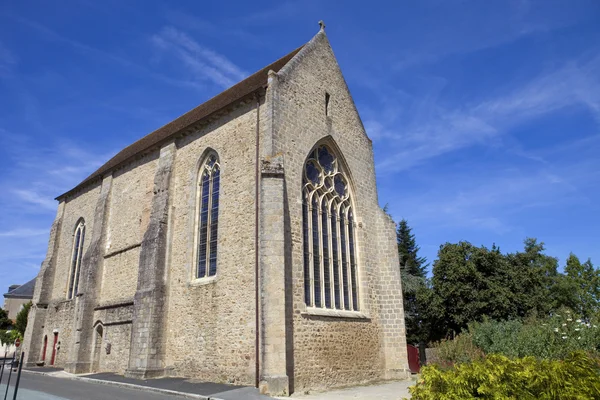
[408, 251]
[8, 337]
[583, 281]
[499, 377]
[470, 283]
[461, 349]
[551, 338]
[5, 323]
[414, 286]
[21, 320]
[535, 275]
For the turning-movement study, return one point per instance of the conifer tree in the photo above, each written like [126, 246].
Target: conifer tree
[414, 284]
[408, 251]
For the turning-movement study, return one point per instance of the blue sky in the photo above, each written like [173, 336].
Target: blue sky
[484, 115]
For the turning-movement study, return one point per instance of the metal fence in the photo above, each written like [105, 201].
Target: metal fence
[16, 365]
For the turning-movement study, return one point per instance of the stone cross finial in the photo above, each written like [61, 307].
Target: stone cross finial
[322, 25]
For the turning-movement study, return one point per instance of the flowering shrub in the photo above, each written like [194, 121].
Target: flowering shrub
[552, 338]
[499, 377]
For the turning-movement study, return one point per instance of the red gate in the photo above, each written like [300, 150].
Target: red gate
[413, 359]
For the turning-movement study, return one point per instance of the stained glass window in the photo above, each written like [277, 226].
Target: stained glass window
[208, 217]
[330, 262]
[77, 256]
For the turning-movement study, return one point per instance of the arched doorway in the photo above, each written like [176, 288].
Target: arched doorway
[44, 347]
[99, 333]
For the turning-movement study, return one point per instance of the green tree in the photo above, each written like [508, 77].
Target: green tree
[408, 251]
[535, 277]
[468, 283]
[584, 280]
[21, 320]
[5, 323]
[414, 286]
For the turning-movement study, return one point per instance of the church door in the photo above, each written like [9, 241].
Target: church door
[44, 348]
[54, 348]
[97, 349]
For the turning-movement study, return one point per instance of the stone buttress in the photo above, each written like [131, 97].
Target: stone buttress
[147, 350]
[80, 353]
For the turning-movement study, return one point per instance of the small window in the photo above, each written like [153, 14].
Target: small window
[330, 270]
[327, 97]
[208, 217]
[77, 254]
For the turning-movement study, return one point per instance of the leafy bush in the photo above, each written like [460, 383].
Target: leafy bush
[577, 377]
[460, 350]
[552, 338]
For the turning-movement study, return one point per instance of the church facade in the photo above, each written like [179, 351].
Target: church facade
[241, 243]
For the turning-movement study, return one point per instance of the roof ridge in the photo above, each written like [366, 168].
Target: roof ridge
[225, 98]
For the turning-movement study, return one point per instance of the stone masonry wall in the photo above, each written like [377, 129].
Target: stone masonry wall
[59, 317]
[329, 351]
[210, 325]
[128, 219]
[116, 320]
[81, 206]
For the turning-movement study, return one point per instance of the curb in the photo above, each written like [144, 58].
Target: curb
[126, 385]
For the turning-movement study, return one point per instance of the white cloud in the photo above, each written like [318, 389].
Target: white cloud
[35, 198]
[24, 233]
[422, 136]
[202, 61]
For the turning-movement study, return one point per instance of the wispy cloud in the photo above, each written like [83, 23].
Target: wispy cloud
[439, 130]
[103, 55]
[30, 184]
[35, 198]
[24, 233]
[492, 199]
[202, 61]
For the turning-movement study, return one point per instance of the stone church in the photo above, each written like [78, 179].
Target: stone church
[242, 242]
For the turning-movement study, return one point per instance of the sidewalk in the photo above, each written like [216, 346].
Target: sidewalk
[183, 387]
[385, 391]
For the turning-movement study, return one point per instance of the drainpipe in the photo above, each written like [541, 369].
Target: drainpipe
[256, 242]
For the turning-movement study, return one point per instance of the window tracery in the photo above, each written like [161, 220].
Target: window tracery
[330, 269]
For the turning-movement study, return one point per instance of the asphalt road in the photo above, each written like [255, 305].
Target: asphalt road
[43, 387]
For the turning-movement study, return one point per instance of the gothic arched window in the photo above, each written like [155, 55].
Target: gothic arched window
[208, 216]
[330, 271]
[77, 254]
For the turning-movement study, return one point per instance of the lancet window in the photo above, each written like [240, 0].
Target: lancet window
[208, 217]
[76, 256]
[329, 233]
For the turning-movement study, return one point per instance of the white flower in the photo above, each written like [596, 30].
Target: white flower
[555, 329]
[564, 325]
[579, 338]
[577, 329]
[564, 337]
[577, 320]
[569, 319]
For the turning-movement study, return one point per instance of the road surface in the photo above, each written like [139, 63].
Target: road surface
[43, 387]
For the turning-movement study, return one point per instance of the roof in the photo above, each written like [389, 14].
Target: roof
[233, 94]
[24, 291]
